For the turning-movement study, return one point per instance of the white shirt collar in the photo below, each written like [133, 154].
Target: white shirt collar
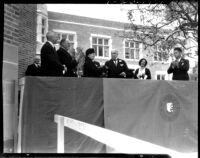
[141, 71]
[178, 59]
[51, 44]
[36, 65]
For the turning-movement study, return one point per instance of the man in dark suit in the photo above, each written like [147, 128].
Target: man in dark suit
[50, 63]
[179, 67]
[34, 69]
[66, 58]
[116, 68]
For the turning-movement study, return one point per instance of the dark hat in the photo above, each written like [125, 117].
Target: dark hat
[89, 51]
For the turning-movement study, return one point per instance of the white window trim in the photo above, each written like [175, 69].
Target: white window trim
[109, 44]
[140, 51]
[69, 32]
[46, 30]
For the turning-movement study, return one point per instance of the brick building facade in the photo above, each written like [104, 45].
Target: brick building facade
[19, 47]
[103, 35]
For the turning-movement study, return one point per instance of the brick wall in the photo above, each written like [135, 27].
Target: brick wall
[11, 24]
[84, 33]
[19, 46]
[27, 36]
[20, 31]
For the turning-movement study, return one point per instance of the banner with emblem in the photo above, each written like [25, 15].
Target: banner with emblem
[159, 112]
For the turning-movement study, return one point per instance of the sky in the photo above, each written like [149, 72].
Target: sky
[113, 12]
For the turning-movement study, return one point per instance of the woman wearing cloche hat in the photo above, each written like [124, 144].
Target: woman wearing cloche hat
[92, 68]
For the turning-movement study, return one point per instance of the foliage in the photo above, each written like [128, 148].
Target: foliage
[164, 24]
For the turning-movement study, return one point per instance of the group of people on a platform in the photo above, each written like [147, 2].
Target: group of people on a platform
[70, 63]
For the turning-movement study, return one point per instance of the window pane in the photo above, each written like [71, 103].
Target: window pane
[71, 37]
[132, 44]
[155, 56]
[127, 54]
[136, 45]
[43, 22]
[137, 53]
[43, 31]
[106, 51]
[94, 40]
[100, 41]
[159, 56]
[43, 38]
[64, 36]
[58, 36]
[105, 41]
[132, 54]
[159, 48]
[71, 44]
[158, 77]
[126, 44]
[100, 51]
[95, 48]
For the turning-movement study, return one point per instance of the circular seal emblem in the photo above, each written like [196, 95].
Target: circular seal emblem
[169, 107]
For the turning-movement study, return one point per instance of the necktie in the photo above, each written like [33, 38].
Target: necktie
[54, 49]
[115, 62]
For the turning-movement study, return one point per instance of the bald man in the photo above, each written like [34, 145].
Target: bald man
[116, 68]
[50, 63]
[34, 69]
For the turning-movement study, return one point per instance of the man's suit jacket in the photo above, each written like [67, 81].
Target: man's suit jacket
[114, 71]
[32, 70]
[91, 68]
[147, 72]
[66, 59]
[180, 72]
[50, 63]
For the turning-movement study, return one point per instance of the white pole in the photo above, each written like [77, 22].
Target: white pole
[21, 83]
[60, 134]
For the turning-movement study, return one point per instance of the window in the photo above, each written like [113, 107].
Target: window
[132, 50]
[160, 77]
[160, 54]
[43, 29]
[101, 46]
[68, 36]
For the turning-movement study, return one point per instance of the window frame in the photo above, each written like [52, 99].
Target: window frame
[159, 50]
[40, 26]
[124, 49]
[99, 36]
[67, 32]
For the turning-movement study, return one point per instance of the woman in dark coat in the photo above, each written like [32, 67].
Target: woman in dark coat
[143, 73]
[91, 68]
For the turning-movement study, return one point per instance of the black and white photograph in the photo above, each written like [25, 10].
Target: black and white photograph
[116, 79]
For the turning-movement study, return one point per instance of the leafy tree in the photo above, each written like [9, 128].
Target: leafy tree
[164, 24]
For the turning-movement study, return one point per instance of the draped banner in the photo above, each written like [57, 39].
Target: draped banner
[160, 112]
[46, 96]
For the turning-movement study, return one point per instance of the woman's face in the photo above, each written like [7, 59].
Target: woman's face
[143, 63]
[91, 56]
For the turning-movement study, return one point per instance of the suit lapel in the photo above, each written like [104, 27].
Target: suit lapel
[181, 63]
